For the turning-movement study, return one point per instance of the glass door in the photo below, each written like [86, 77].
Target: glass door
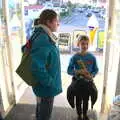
[6, 82]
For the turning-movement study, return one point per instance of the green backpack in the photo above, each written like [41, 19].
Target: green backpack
[24, 70]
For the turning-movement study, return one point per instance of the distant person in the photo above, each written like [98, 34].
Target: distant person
[83, 67]
[28, 28]
[46, 68]
[35, 23]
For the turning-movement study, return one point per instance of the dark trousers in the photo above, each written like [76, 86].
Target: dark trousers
[44, 108]
[82, 104]
[82, 96]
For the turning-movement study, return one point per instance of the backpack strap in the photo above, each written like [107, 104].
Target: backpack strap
[28, 45]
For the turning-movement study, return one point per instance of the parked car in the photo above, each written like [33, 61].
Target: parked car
[64, 8]
[88, 14]
[57, 9]
[102, 14]
[96, 10]
[81, 10]
[49, 5]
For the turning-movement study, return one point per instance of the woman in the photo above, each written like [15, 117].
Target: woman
[46, 64]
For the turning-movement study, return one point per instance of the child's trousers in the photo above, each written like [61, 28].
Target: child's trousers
[82, 104]
[82, 97]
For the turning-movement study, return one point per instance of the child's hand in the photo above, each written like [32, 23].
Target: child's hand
[84, 72]
[79, 72]
[88, 76]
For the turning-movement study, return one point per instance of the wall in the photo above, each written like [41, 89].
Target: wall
[112, 55]
[11, 39]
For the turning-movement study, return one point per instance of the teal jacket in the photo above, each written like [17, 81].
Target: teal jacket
[46, 67]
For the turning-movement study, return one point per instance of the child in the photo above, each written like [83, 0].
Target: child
[83, 67]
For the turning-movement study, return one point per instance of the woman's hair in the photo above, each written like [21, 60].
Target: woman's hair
[82, 37]
[36, 21]
[47, 15]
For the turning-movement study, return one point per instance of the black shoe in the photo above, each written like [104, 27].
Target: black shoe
[85, 117]
[79, 117]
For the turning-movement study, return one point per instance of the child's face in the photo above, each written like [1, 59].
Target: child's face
[84, 45]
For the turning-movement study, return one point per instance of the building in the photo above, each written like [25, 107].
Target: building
[57, 2]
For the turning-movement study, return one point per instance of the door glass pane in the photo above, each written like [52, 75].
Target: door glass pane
[77, 17]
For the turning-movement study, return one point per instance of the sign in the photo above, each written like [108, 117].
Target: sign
[92, 34]
[76, 35]
[64, 39]
[64, 42]
[101, 39]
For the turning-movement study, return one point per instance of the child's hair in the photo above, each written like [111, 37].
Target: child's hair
[82, 37]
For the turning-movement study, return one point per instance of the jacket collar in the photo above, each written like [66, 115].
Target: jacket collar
[48, 31]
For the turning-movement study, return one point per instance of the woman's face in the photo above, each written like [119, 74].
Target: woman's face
[53, 25]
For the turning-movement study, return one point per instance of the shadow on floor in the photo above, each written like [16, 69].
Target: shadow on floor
[27, 112]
